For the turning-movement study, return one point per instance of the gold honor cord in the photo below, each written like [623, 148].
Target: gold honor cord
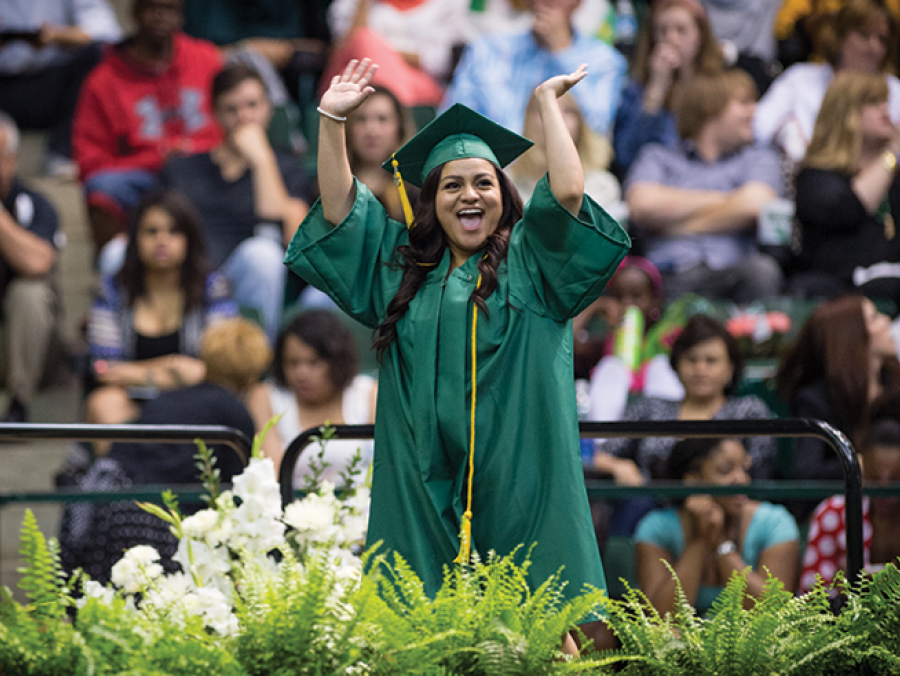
[465, 529]
[401, 188]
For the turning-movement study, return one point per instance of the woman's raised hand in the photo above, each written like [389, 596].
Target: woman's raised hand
[348, 90]
[560, 84]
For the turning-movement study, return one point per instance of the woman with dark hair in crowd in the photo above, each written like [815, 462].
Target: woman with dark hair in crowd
[315, 383]
[706, 539]
[844, 359]
[476, 438]
[675, 43]
[145, 324]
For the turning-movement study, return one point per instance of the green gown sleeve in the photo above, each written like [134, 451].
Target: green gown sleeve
[559, 264]
[353, 262]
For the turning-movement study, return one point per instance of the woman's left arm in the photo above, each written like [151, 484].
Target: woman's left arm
[780, 560]
[563, 164]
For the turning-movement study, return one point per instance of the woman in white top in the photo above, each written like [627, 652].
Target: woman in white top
[315, 383]
[864, 38]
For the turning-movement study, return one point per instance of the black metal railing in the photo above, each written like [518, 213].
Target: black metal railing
[779, 428]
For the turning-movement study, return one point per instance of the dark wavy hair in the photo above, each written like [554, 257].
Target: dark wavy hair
[194, 269]
[688, 454]
[325, 333]
[699, 329]
[427, 242]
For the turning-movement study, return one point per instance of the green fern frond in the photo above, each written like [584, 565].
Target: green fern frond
[43, 579]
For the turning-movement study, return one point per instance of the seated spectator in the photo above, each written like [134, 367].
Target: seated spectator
[844, 359]
[847, 190]
[860, 37]
[826, 548]
[146, 100]
[315, 383]
[497, 73]
[412, 42]
[709, 365]
[674, 44]
[30, 299]
[706, 539]
[249, 196]
[375, 130]
[93, 536]
[41, 71]
[593, 150]
[145, 325]
[636, 283]
[746, 31]
[698, 204]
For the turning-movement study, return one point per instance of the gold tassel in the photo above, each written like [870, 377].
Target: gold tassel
[401, 188]
[465, 529]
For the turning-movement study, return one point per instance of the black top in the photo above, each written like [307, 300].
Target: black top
[149, 347]
[226, 207]
[843, 239]
[32, 212]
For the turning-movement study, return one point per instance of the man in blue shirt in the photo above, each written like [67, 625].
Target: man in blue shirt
[697, 205]
[497, 73]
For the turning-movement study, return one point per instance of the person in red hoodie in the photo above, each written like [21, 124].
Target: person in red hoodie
[146, 100]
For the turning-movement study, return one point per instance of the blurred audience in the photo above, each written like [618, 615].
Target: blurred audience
[847, 191]
[146, 100]
[412, 42]
[46, 51]
[674, 43]
[28, 286]
[145, 325]
[843, 360]
[594, 151]
[250, 197]
[697, 205]
[746, 31]
[859, 38]
[709, 365]
[497, 73]
[234, 353]
[707, 539]
[826, 548]
[375, 130]
[315, 383]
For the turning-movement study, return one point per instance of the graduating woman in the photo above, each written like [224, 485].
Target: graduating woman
[476, 437]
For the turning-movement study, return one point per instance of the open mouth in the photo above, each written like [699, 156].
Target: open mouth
[470, 218]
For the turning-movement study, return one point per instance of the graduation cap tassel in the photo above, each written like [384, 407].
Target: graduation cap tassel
[465, 529]
[401, 188]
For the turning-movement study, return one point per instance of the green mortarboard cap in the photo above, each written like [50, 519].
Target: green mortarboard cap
[458, 133]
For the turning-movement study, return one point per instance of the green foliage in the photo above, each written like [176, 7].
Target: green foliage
[43, 579]
[210, 475]
[483, 620]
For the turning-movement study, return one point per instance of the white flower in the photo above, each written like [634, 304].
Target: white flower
[258, 480]
[200, 524]
[168, 591]
[311, 514]
[225, 501]
[94, 590]
[215, 608]
[142, 555]
[355, 528]
[136, 569]
[207, 563]
[359, 502]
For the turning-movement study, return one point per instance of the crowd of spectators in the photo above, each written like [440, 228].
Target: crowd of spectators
[192, 200]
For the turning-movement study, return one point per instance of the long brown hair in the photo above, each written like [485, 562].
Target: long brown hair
[836, 142]
[708, 60]
[427, 242]
[834, 345]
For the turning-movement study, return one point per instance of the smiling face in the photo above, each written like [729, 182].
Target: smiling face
[468, 205]
[160, 244]
[705, 370]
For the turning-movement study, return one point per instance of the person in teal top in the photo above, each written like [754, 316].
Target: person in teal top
[473, 269]
[705, 539]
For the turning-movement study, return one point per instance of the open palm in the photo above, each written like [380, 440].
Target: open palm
[348, 90]
[560, 84]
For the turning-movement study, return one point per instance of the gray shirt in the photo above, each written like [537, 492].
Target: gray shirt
[683, 168]
[749, 25]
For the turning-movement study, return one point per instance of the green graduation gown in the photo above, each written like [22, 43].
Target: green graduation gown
[528, 485]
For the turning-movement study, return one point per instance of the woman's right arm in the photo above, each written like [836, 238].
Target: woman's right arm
[346, 93]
